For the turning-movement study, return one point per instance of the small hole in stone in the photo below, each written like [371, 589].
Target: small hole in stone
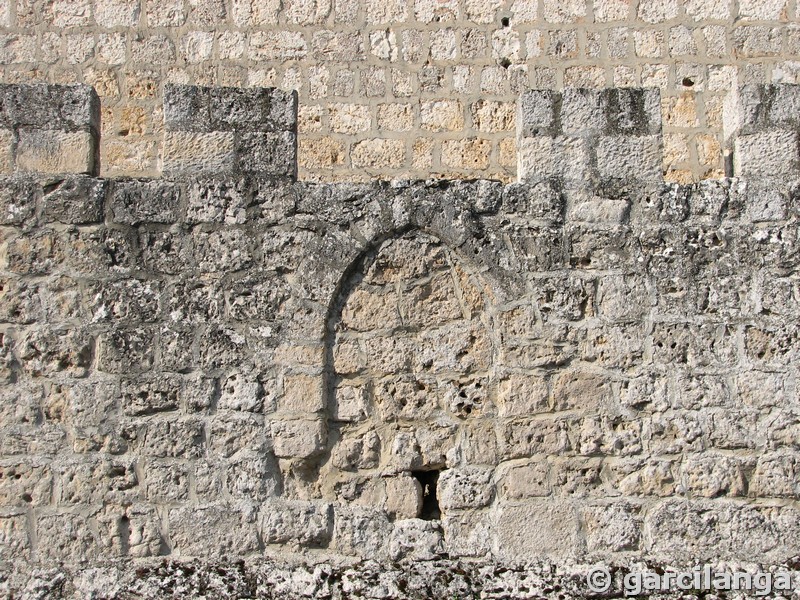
[505, 63]
[687, 82]
[505, 21]
[430, 503]
[27, 497]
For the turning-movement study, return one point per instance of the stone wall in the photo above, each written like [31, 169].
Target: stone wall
[404, 88]
[407, 389]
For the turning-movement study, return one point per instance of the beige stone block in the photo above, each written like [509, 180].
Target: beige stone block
[763, 10]
[522, 395]
[564, 11]
[277, 45]
[584, 391]
[386, 11]
[320, 153]
[197, 152]
[708, 10]
[378, 153]
[368, 311]
[349, 118]
[680, 112]
[70, 13]
[466, 154]
[442, 115]
[116, 13]
[440, 11]
[525, 11]
[517, 481]
[127, 157]
[403, 497]
[493, 115]
[44, 151]
[648, 43]
[298, 439]
[481, 11]
[611, 10]
[422, 153]
[395, 117]
[585, 77]
[302, 394]
[443, 44]
[507, 151]
[709, 150]
[110, 48]
[536, 530]
[657, 11]
[306, 12]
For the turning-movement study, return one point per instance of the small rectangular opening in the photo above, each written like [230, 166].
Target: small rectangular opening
[430, 503]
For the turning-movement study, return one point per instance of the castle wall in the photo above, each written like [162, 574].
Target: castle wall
[227, 364]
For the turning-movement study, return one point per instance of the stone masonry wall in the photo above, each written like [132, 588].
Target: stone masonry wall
[404, 88]
[228, 383]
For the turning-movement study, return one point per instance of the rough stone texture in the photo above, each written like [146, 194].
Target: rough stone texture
[236, 384]
[482, 53]
[219, 130]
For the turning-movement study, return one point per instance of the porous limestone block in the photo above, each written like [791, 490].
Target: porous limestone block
[296, 522]
[467, 487]
[192, 152]
[298, 439]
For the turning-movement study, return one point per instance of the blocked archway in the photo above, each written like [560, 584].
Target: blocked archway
[411, 372]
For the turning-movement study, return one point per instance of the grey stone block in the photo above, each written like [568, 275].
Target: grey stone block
[74, 200]
[137, 201]
[54, 107]
[268, 153]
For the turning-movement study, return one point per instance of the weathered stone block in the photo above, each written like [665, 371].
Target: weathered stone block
[144, 201]
[198, 152]
[53, 107]
[126, 351]
[298, 439]
[536, 530]
[125, 301]
[544, 157]
[415, 539]
[63, 534]
[166, 482]
[216, 529]
[14, 537]
[612, 528]
[18, 197]
[468, 487]
[237, 432]
[267, 153]
[517, 481]
[25, 484]
[767, 154]
[627, 157]
[294, 522]
[75, 200]
[43, 151]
